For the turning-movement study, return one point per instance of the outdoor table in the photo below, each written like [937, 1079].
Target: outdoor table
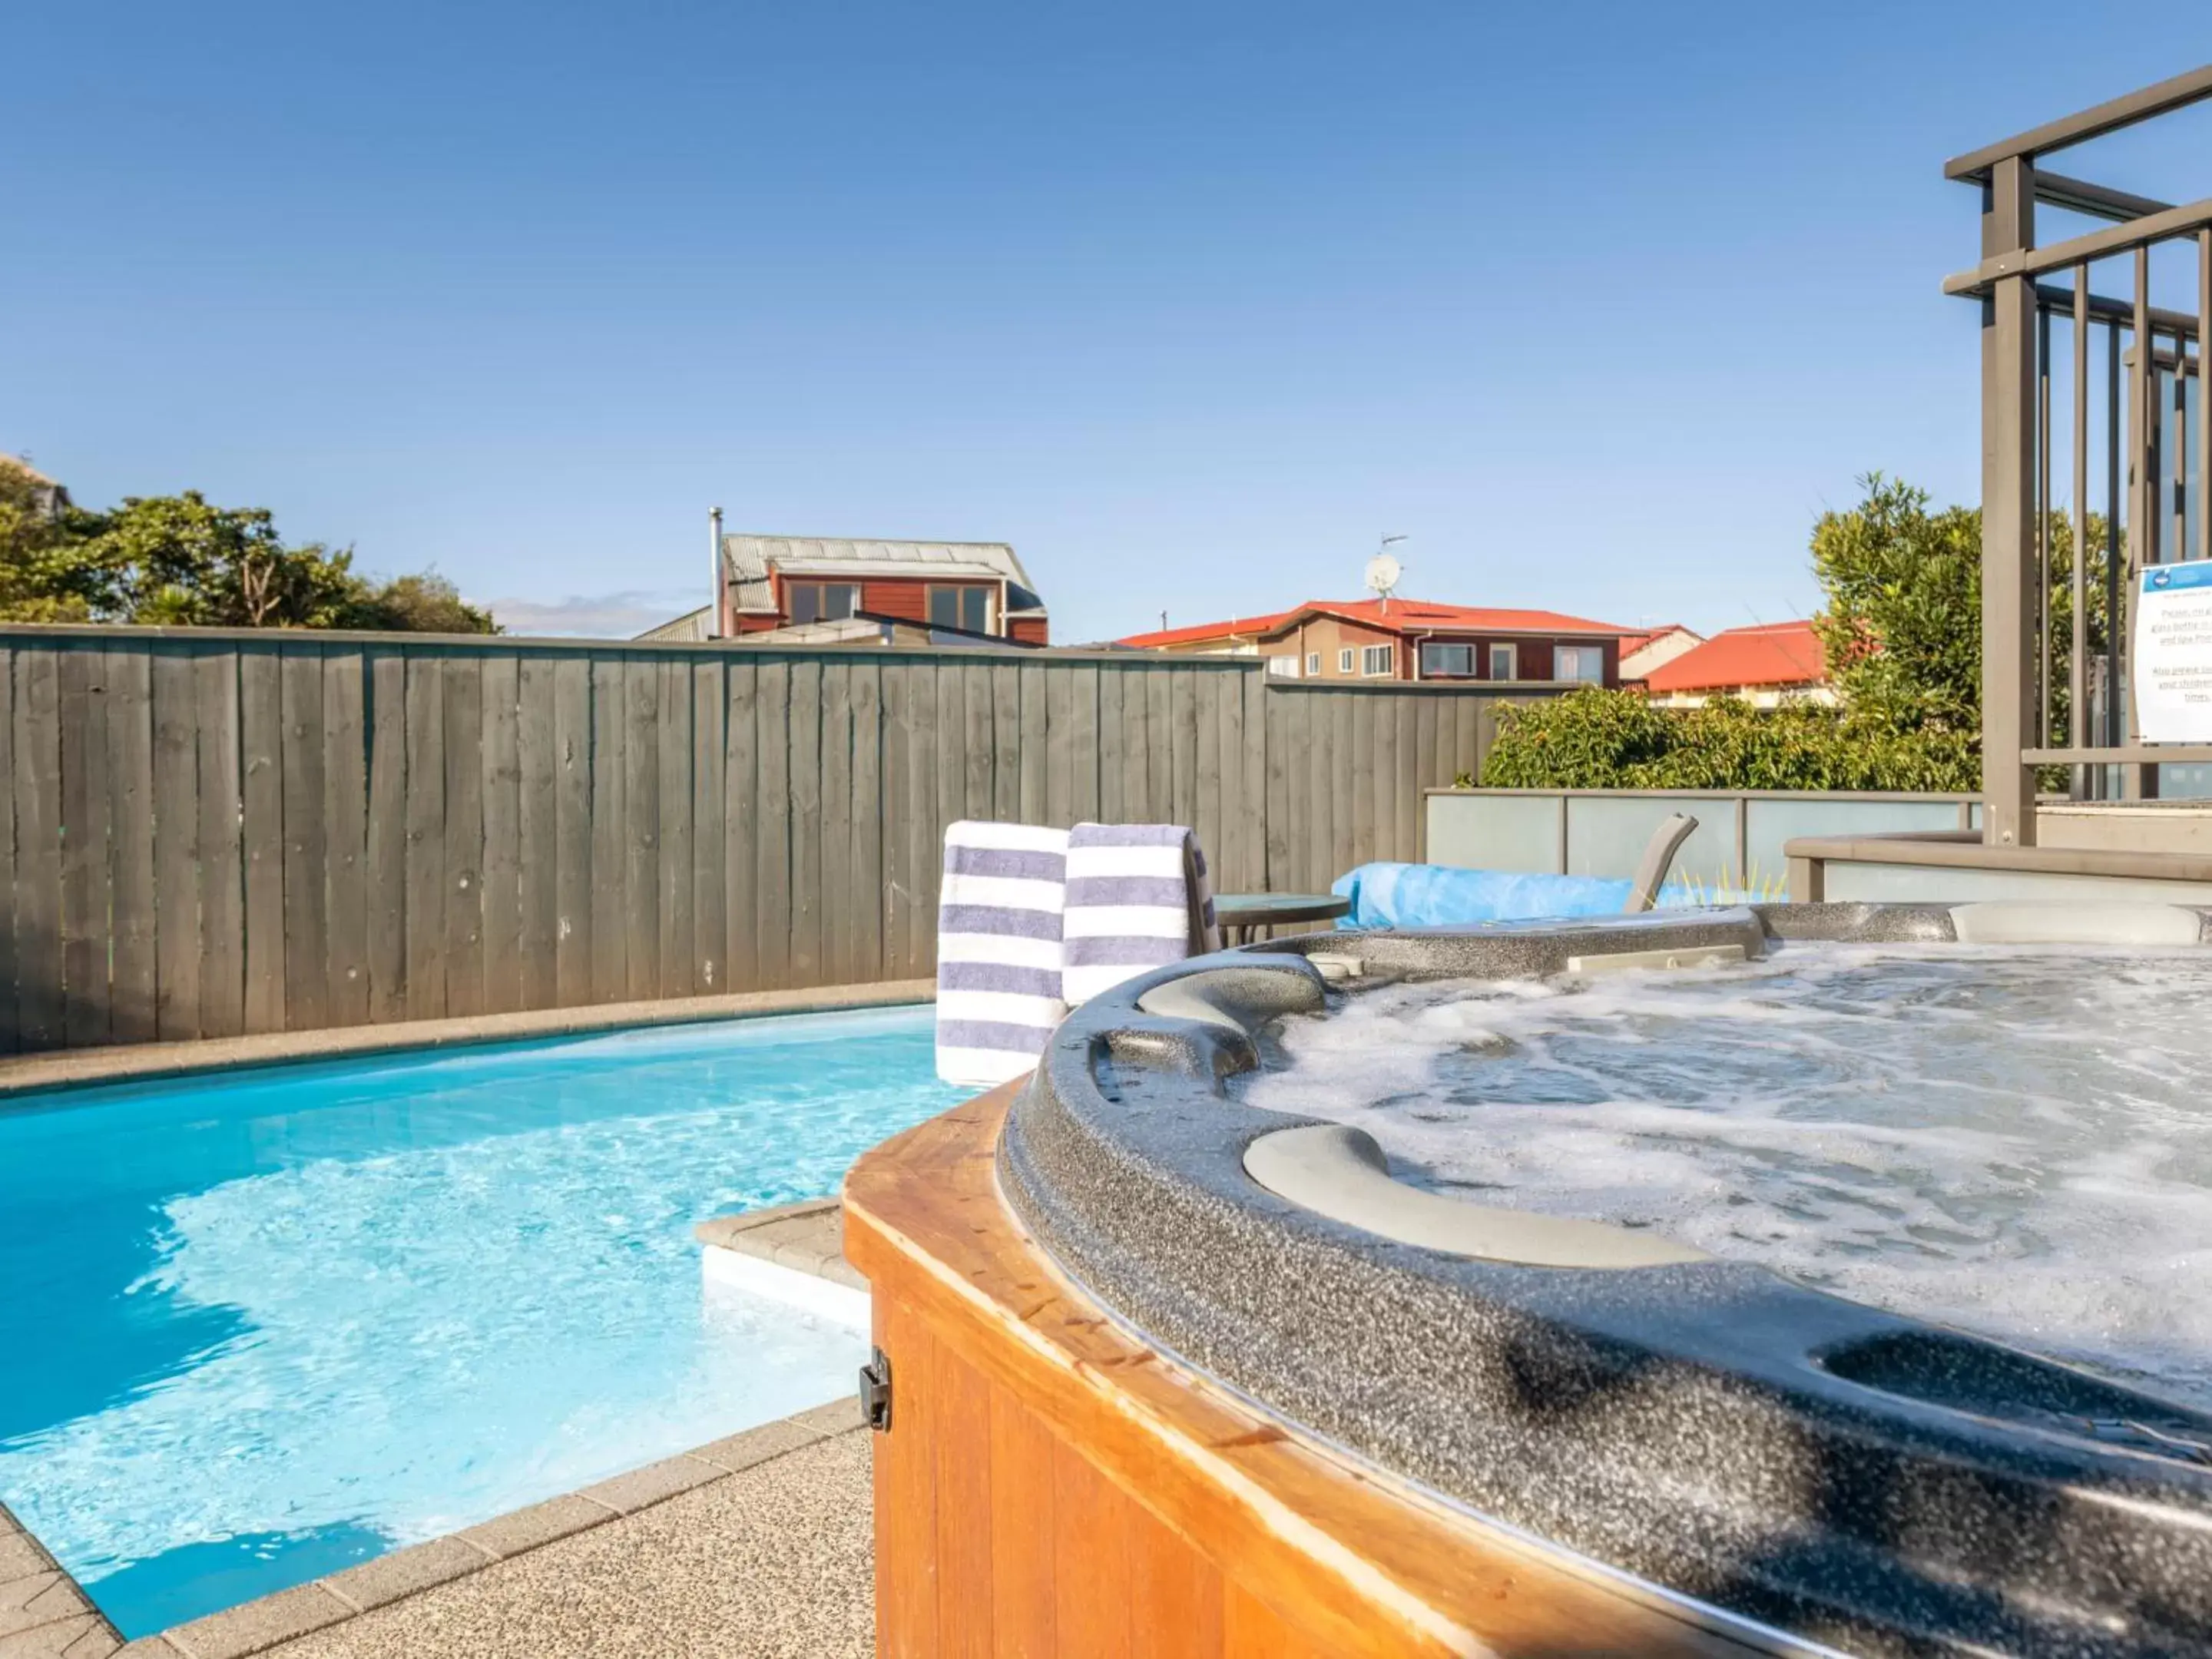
[1240, 913]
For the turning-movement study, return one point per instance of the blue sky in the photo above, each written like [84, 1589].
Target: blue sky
[1600, 305]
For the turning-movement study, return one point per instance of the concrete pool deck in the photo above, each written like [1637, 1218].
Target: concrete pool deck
[760, 1545]
[139, 1061]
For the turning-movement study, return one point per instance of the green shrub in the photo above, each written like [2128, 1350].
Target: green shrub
[1599, 739]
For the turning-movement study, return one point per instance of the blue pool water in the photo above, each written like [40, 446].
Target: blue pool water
[257, 1326]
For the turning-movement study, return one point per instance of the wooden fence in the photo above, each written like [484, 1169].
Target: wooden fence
[211, 833]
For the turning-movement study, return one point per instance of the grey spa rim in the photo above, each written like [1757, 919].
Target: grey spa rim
[1727, 1436]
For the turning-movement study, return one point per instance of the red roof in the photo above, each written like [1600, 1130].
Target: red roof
[1424, 615]
[1632, 643]
[1198, 633]
[1773, 654]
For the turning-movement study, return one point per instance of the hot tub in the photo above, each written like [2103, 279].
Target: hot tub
[1638, 1419]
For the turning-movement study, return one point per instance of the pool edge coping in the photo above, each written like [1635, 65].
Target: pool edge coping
[148, 1061]
[283, 1615]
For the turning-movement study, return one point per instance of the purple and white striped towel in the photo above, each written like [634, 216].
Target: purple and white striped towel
[997, 949]
[1137, 897]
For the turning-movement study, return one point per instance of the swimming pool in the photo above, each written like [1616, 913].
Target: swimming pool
[264, 1324]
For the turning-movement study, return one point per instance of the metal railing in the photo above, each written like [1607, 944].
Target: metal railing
[2050, 696]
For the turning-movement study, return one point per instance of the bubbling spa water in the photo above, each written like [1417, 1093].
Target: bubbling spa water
[2016, 1142]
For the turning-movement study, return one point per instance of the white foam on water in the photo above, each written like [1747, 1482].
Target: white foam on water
[2016, 1142]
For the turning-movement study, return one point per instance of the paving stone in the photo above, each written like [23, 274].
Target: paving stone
[20, 1557]
[56, 1638]
[756, 1446]
[541, 1523]
[630, 1492]
[257, 1625]
[838, 1271]
[38, 1598]
[100, 1642]
[147, 1647]
[403, 1572]
[836, 1417]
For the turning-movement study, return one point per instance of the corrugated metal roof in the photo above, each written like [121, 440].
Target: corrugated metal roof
[750, 558]
[1773, 654]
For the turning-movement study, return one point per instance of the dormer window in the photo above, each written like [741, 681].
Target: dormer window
[808, 601]
[967, 608]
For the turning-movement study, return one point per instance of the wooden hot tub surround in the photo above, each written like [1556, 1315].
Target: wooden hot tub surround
[1050, 1485]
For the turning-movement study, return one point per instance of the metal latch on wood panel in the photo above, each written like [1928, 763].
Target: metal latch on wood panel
[876, 1390]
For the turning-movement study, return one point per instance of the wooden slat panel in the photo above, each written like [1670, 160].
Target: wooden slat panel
[1061, 735]
[741, 784]
[871, 893]
[906, 1490]
[1172, 1586]
[176, 846]
[131, 1014]
[1023, 1531]
[539, 777]
[710, 963]
[1183, 745]
[1090, 1524]
[1359, 777]
[1276, 710]
[897, 819]
[425, 798]
[576, 836]
[1406, 749]
[931, 813]
[221, 843]
[640, 759]
[84, 845]
[609, 880]
[772, 895]
[10, 1032]
[345, 831]
[677, 924]
[388, 880]
[501, 900]
[833, 828]
[1259, 794]
[1314, 745]
[1204, 741]
[1035, 725]
[1085, 743]
[307, 890]
[978, 745]
[261, 751]
[1006, 742]
[1159, 757]
[807, 955]
[960, 1428]
[1343, 788]
[1113, 803]
[464, 843]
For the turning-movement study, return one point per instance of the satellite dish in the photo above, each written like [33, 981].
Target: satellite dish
[1382, 573]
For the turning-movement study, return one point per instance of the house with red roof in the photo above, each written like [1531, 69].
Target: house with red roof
[1397, 639]
[1641, 653]
[1765, 665]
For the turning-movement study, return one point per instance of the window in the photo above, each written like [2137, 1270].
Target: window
[1578, 662]
[961, 607]
[1377, 660]
[1344, 660]
[821, 601]
[1502, 663]
[1447, 661]
[1283, 668]
[1313, 664]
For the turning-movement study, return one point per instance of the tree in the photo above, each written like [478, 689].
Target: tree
[1902, 630]
[182, 560]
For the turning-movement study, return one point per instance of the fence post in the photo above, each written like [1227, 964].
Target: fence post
[2008, 470]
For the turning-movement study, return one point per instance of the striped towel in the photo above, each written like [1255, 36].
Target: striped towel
[1137, 897]
[997, 949]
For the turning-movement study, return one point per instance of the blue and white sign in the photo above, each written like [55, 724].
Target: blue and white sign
[2174, 654]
